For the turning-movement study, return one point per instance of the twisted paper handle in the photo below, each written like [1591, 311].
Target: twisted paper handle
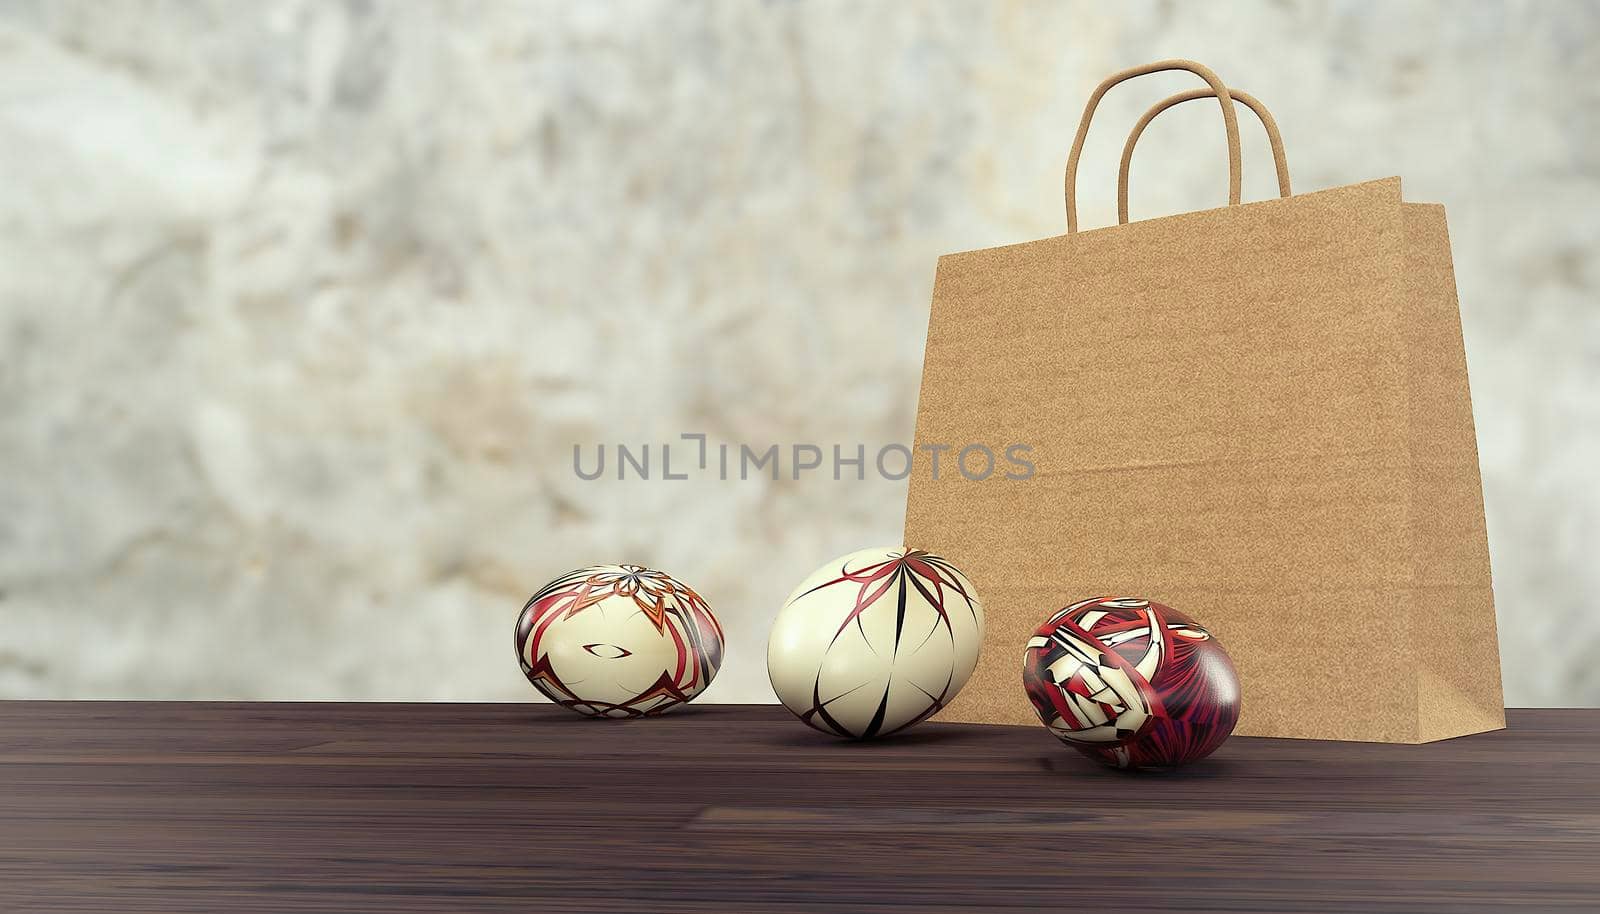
[1230, 123]
[1273, 137]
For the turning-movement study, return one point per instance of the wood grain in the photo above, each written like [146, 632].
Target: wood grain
[432, 807]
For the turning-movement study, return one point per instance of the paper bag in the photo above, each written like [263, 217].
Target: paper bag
[1256, 414]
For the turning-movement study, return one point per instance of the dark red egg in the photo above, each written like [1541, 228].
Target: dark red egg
[1131, 683]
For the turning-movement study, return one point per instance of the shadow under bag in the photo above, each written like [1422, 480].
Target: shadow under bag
[1258, 414]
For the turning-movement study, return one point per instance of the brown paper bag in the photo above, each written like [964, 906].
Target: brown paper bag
[1256, 414]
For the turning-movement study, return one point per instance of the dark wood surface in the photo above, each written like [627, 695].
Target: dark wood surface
[343, 807]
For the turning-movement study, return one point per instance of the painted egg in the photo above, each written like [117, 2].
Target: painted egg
[618, 641]
[875, 641]
[1131, 683]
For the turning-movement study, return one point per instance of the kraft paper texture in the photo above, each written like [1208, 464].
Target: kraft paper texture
[1257, 414]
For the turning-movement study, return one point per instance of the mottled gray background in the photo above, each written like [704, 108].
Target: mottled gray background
[303, 305]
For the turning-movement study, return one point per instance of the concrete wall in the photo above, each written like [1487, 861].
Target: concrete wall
[303, 306]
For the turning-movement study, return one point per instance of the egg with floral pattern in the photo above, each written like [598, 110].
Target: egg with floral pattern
[618, 641]
[875, 641]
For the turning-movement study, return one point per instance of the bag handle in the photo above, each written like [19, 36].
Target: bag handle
[1273, 137]
[1230, 124]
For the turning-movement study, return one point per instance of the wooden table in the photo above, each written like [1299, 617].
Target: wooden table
[433, 807]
